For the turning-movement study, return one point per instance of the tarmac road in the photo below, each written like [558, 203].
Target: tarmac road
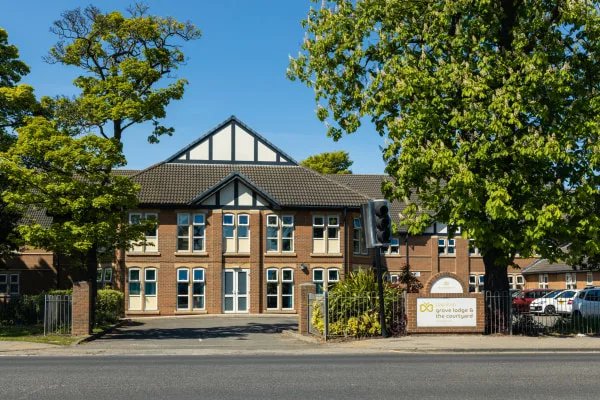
[399, 376]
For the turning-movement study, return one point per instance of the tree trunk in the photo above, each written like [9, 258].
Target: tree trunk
[497, 295]
[91, 261]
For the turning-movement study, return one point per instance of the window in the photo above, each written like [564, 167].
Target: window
[104, 277]
[325, 278]
[357, 236]
[394, 248]
[183, 289]
[236, 237]
[446, 246]
[198, 288]
[520, 282]
[571, 280]
[589, 279]
[280, 233]
[473, 250]
[476, 283]
[280, 289]
[9, 284]
[151, 236]
[134, 282]
[326, 234]
[190, 224]
[543, 281]
[150, 282]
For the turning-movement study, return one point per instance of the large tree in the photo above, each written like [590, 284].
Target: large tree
[491, 111]
[51, 170]
[16, 101]
[335, 162]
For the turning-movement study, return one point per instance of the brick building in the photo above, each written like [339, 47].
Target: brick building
[240, 226]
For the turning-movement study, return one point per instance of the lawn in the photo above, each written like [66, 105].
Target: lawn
[33, 333]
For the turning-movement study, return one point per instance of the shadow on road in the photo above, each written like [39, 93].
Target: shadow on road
[138, 331]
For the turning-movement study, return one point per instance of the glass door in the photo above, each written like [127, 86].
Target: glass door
[235, 291]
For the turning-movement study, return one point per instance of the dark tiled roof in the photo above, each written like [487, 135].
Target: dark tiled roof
[36, 215]
[370, 186]
[289, 185]
[545, 266]
[125, 172]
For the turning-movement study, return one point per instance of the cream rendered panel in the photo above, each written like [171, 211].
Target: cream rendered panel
[441, 228]
[244, 195]
[244, 145]
[227, 195]
[260, 201]
[222, 144]
[200, 152]
[135, 303]
[318, 246]
[151, 303]
[281, 159]
[244, 245]
[151, 246]
[210, 201]
[265, 153]
[182, 157]
[229, 244]
[334, 245]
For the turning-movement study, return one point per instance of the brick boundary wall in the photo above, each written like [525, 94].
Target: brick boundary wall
[303, 322]
[81, 324]
[411, 313]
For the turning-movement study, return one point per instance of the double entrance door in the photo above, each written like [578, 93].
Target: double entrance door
[236, 284]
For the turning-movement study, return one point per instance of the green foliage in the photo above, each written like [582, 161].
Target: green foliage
[16, 101]
[67, 177]
[110, 306]
[410, 282]
[354, 305]
[22, 310]
[124, 61]
[335, 162]
[490, 111]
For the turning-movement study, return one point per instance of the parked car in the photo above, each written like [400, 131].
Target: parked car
[587, 303]
[522, 301]
[559, 302]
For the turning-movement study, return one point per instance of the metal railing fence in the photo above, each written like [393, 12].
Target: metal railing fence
[57, 314]
[543, 316]
[334, 316]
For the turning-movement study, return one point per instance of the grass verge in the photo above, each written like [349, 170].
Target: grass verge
[35, 334]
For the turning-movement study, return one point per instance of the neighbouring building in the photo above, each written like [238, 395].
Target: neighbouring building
[240, 226]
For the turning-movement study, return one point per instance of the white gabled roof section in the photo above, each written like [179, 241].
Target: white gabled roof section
[232, 142]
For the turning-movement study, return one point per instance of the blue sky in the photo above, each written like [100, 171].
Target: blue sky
[237, 67]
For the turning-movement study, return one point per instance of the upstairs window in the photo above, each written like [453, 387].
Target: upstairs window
[236, 233]
[394, 247]
[190, 231]
[473, 250]
[326, 234]
[543, 281]
[9, 284]
[280, 233]
[151, 236]
[446, 246]
[358, 237]
[571, 280]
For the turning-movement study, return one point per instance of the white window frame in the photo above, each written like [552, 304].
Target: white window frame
[473, 250]
[240, 224]
[394, 243]
[185, 236]
[203, 283]
[278, 225]
[330, 281]
[446, 246]
[519, 281]
[589, 278]
[319, 283]
[571, 280]
[276, 295]
[138, 281]
[356, 241]
[193, 233]
[543, 281]
[284, 281]
[232, 224]
[155, 281]
[326, 226]
[152, 238]
[275, 238]
[187, 285]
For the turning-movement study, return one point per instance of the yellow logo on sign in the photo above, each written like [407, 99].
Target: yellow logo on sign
[426, 307]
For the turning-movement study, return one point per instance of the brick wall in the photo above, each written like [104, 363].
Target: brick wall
[81, 309]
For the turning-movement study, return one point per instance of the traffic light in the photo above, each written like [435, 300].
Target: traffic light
[377, 223]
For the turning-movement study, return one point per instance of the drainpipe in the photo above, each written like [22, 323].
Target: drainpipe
[344, 258]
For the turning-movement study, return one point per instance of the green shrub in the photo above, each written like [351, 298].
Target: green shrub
[61, 292]
[110, 306]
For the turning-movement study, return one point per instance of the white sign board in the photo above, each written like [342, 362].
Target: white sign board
[447, 285]
[442, 313]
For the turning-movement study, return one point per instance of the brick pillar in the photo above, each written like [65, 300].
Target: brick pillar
[462, 259]
[215, 274]
[256, 273]
[303, 322]
[81, 309]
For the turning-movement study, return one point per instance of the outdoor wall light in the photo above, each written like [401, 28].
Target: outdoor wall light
[304, 267]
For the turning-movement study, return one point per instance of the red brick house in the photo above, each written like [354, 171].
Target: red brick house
[240, 226]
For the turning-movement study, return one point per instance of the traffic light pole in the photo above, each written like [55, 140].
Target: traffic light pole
[379, 269]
